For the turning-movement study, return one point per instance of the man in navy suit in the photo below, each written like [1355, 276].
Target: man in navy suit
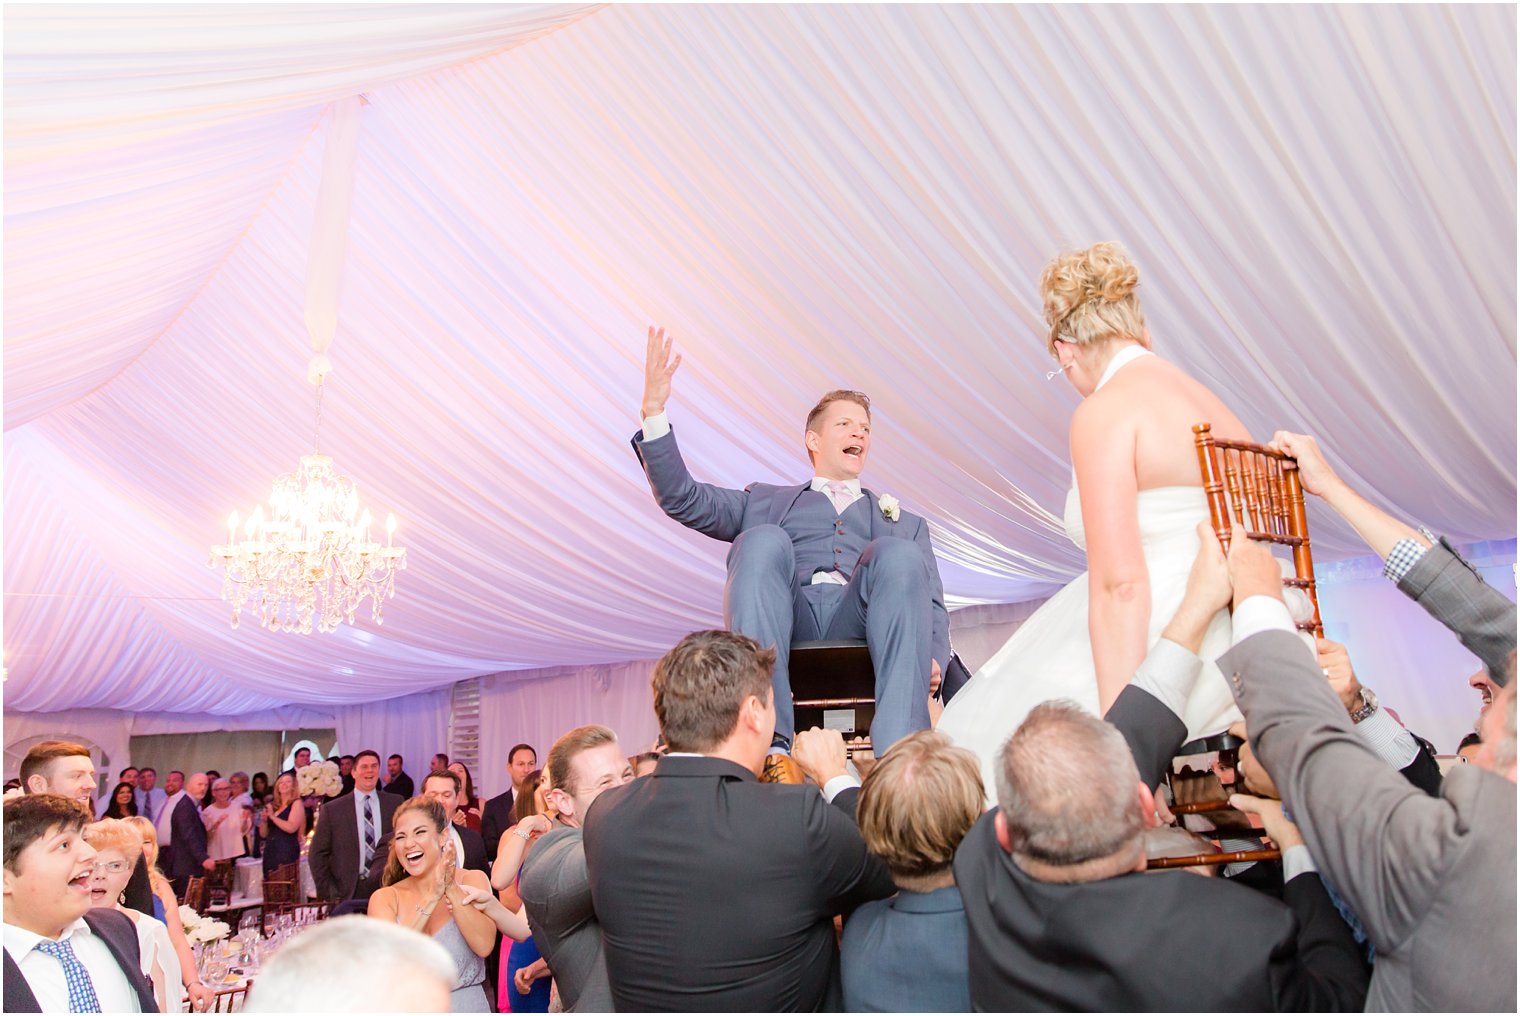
[190, 856]
[821, 560]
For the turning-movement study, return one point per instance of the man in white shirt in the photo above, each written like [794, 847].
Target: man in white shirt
[62, 768]
[150, 798]
[826, 559]
[60, 955]
[469, 848]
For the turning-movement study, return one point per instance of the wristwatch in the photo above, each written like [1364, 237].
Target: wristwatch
[1367, 708]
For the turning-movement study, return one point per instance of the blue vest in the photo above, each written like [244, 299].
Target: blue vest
[822, 538]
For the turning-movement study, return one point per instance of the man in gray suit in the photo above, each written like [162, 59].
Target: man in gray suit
[821, 560]
[1431, 878]
[554, 885]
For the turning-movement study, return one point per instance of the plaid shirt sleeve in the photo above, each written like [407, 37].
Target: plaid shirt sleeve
[1405, 555]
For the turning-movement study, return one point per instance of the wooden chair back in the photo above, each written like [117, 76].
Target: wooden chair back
[231, 999]
[1258, 490]
[195, 894]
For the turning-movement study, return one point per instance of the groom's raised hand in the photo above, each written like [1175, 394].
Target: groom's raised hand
[659, 368]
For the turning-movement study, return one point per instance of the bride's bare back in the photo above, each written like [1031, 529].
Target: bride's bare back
[1155, 405]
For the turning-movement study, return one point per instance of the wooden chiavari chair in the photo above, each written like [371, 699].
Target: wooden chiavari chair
[225, 1000]
[195, 894]
[1259, 490]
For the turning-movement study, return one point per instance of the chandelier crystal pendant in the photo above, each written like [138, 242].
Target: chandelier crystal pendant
[310, 559]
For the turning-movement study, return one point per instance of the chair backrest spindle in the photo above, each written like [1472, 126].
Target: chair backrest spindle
[1261, 489]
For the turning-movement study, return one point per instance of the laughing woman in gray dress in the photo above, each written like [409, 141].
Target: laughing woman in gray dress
[422, 889]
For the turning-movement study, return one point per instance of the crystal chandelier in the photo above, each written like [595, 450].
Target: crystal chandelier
[310, 558]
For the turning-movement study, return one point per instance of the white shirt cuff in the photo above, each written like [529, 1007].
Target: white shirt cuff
[836, 786]
[1169, 672]
[1392, 743]
[1295, 861]
[656, 426]
[1258, 614]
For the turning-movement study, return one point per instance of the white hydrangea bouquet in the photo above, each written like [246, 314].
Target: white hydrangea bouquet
[200, 929]
[320, 779]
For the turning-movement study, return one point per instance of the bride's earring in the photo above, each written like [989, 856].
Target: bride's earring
[1051, 375]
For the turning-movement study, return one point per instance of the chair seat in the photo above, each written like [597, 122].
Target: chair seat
[833, 676]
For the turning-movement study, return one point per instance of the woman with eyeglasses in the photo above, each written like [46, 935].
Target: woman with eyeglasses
[118, 847]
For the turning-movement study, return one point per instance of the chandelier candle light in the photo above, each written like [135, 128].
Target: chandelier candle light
[311, 558]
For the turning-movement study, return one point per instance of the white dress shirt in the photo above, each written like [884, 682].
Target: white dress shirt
[161, 820]
[44, 973]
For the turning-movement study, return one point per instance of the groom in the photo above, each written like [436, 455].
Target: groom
[819, 560]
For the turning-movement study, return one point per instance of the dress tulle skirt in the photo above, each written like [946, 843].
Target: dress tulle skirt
[1050, 656]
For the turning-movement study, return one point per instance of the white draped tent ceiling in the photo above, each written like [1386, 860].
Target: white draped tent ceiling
[1321, 200]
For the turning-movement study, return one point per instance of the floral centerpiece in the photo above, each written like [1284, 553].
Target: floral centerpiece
[320, 779]
[200, 929]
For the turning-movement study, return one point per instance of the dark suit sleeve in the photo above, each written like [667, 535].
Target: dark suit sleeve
[847, 800]
[1380, 841]
[189, 833]
[1452, 592]
[139, 890]
[939, 644]
[1153, 731]
[1323, 970]
[1424, 772]
[319, 856]
[845, 873]
[491, 827]
[713, 511]
[474, 852]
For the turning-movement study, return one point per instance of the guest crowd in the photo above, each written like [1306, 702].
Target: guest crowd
[678, 880]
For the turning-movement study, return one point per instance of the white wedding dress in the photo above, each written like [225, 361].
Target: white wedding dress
[1050, 656]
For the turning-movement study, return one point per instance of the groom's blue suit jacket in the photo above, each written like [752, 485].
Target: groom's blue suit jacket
[723, 513]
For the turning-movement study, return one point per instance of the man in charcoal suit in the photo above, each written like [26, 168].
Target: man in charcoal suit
[497, 818]
[821, 560]
[713, 891]
[190, 856]
[350, 835]
[397, 782]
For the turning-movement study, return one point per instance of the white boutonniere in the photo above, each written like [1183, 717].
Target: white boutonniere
[890, 509]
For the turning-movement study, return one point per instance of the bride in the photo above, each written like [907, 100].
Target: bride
[1134, 507]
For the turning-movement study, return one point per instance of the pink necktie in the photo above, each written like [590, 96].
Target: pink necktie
[840, 494]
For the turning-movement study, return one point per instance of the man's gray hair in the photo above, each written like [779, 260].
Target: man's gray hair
[348, 964]
[1066, 783]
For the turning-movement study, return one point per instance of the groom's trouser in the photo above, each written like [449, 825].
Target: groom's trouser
[886, 602]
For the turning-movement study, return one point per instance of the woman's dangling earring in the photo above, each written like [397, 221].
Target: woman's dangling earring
[121, 897]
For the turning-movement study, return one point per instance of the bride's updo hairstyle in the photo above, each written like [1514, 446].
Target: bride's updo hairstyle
[1089, 297]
